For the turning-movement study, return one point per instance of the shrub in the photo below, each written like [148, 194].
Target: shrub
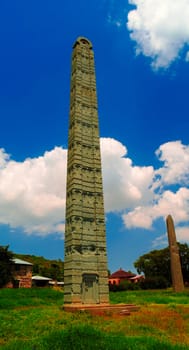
[154, 283]
[124, 285]
[5, 266]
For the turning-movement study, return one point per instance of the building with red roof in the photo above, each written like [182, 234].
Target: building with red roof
[120, 275]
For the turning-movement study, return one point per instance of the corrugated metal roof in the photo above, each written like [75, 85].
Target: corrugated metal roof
[20, 262]
[41, 278]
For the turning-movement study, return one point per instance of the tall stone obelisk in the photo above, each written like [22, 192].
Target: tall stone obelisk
[85, 266]
[176, 272]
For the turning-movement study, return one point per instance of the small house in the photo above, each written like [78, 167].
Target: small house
[22, 274]
[120, 275]
[40, 281]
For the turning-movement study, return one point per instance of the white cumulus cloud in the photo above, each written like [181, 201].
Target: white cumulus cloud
[168, 202]
[33, 192]
[175, 157]
[125, 185]
[160, 29]
[170, 189]
[182, 233]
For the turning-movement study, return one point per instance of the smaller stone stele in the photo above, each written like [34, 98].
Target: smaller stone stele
[176, 271]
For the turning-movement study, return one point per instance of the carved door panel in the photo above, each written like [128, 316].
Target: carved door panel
[90, 292]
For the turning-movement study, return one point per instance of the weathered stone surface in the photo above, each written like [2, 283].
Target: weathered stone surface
[86, 276]
[103, 309]
[176, 272]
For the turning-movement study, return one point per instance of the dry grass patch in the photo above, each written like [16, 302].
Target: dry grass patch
[164, 322]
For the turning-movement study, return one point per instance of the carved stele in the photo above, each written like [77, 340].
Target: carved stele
[176, 272]
[85, 266]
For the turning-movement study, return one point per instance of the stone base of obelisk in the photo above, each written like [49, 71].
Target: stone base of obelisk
[102, 309]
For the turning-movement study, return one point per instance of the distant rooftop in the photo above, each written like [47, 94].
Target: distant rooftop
[122, 274]
[20, 262]
[41, 278]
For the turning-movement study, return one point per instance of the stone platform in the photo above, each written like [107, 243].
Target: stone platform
[108, 310]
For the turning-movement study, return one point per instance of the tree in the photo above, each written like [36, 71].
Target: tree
[6, 257]
[157, 263]
[184, 258]
[41, 266]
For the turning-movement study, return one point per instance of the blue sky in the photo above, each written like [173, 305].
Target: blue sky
[142, 71]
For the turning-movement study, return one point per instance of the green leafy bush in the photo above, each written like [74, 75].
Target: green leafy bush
[5, 266]
[154, 283]
[123, 286]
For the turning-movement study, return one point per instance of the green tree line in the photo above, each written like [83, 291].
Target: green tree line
[44, 267]
[5, 265]
[155, 265]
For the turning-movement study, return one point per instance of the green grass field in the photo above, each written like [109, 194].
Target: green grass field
[33, 319]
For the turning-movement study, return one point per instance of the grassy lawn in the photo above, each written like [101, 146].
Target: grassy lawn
[33, 319]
